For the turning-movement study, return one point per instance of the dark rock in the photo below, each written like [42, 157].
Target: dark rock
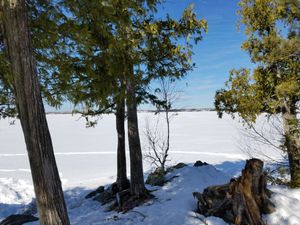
[156, 178]
[179, 165]
[105, 197]
[18, 219]
[200, 163]
[94, 193]
[100, 189]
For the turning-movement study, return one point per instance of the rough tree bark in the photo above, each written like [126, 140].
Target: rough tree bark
[47, 185]
[122, 180]
[137, 185]
[242, 201]
[292, 142]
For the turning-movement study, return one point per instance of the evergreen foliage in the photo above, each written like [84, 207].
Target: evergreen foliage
[273, 87]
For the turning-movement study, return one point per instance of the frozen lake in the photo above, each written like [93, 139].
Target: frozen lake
[88, 155]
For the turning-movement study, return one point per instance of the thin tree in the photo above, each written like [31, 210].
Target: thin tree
[158, 143]
[47, 184]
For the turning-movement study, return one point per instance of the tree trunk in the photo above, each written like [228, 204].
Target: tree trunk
[166, 151]
[47, 185]
[292, 143]
[122, 180]
[137, 185]
[242, 201]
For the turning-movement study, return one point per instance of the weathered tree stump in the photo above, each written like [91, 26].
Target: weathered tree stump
[242, 201]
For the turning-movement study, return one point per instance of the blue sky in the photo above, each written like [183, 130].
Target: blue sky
[215, 55]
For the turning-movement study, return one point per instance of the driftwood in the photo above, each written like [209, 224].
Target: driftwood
[242, 201]
[18, 219]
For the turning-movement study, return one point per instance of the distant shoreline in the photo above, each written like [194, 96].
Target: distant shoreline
[152, 111]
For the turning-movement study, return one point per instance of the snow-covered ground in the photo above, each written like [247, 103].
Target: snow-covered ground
[86, 158]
